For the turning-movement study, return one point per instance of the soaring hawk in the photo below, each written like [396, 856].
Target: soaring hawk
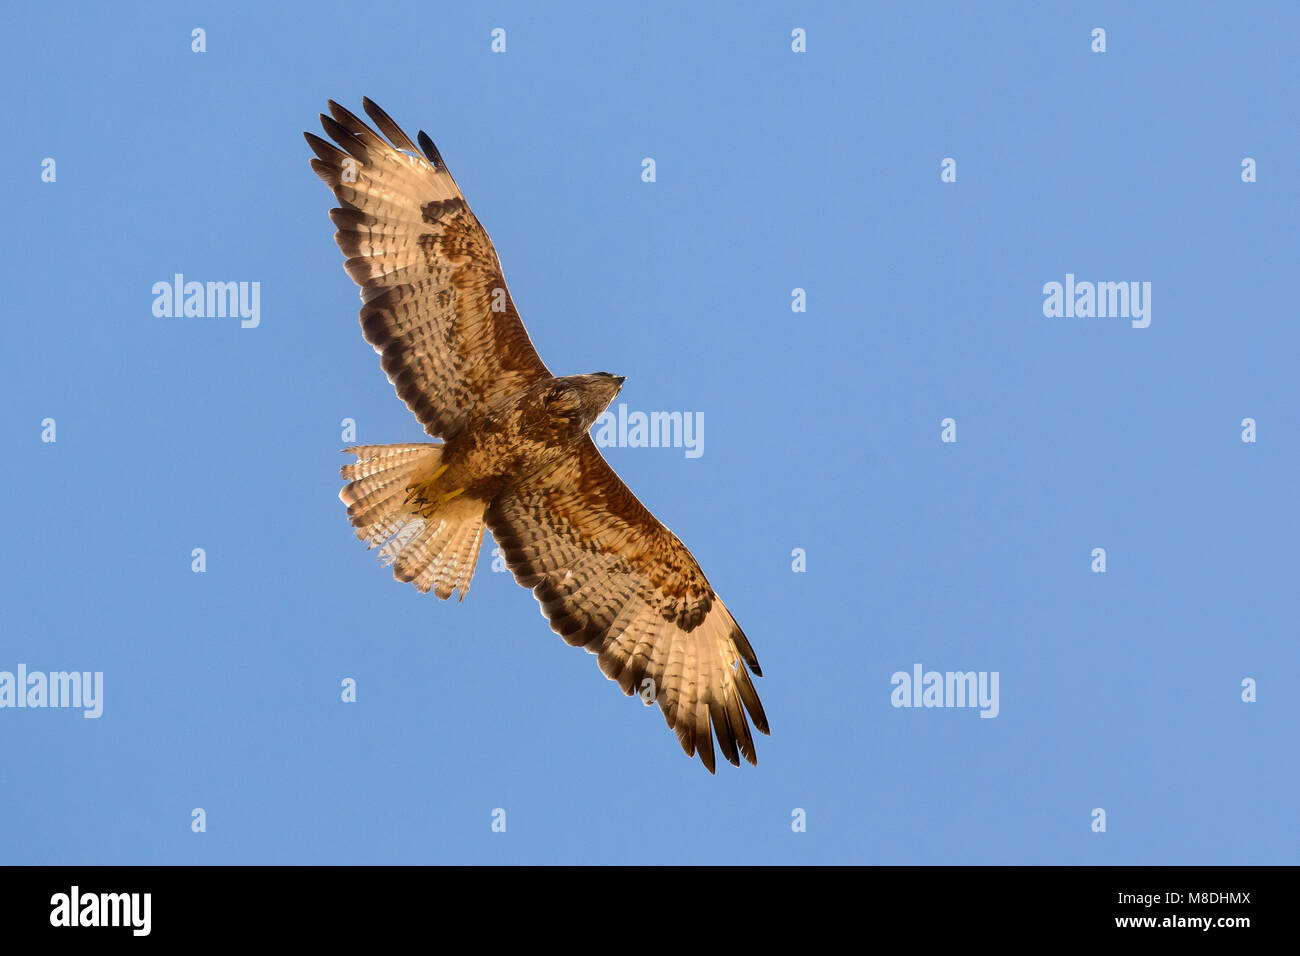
[516, 454]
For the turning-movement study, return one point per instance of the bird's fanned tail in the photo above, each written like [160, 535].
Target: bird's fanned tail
[434, 549]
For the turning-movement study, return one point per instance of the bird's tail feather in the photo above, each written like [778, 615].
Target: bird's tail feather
[433, 548]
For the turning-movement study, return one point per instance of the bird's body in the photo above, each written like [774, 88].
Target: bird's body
[526, 433]
[516, 457]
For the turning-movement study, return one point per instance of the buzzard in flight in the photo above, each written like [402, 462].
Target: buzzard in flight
[516, 455]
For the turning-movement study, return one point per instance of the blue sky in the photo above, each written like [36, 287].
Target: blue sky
[775, 170]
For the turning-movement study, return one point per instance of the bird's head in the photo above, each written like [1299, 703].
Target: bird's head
[573, 403]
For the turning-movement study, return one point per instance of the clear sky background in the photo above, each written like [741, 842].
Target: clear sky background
[775, 171]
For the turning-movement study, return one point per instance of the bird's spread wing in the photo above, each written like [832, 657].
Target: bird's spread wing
[611, 578]
[436, 307]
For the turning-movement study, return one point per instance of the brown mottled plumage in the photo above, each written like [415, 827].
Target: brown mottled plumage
[517, 456]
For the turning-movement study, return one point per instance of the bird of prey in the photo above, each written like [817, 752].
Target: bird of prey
[516, 455]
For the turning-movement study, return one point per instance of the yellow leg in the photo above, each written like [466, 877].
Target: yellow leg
[443, 499]
[427, 507]
[414, 492]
